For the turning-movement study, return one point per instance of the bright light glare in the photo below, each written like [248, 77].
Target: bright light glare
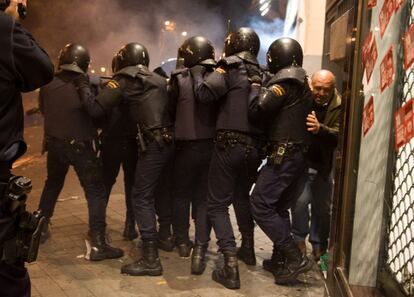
[184, 33]
[167, 23]
[103, 69]
[264, 12]
[264, 6]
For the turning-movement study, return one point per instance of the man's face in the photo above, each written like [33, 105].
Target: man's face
[322, 89]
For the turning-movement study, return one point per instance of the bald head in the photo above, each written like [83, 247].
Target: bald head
[323, 86]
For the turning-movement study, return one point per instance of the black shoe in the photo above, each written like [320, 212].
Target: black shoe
[166, 244]
[296, 263]
[97, 248]
[149, 264]
[198, 259]
[45, 233]
[276, 263]
[184, 249]
[246, 252]
[130, 233]
[228, 276]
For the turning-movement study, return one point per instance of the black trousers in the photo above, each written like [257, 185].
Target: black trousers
[117, 152]
[164, 200]
[233, 170]
[192, 159]
[276, 191]
[62, 154]
[149, 169]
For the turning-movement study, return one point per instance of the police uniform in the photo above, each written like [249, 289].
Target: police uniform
[148, 110]
[283, 105]
[25, 67]
[119, 148]
[194, 132]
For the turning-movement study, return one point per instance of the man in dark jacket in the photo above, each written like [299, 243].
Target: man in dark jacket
[70, 136]
[323, 122]
[25, 66]
[236, 155]
[282, 106]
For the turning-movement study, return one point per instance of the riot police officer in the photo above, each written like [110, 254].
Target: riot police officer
[70, 136]
[120, 148]
[25, 66]
[283, 106]
[146, 106]
[236, 154]
[194, 132]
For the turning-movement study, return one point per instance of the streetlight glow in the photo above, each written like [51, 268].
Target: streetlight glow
[103, 69]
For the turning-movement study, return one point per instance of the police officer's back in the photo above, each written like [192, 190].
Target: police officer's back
[195, 125]
[148, 111]
[236, 154]
[69, 107]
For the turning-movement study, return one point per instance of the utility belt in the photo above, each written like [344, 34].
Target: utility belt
[162, 136]
[278, 151]
[24, 226]
[77, 145]
[229, 137]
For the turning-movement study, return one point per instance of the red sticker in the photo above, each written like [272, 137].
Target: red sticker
[368, 116]
[408, 121]
[399, 129]
[369, 54]
[385, 15]
[398, 4]
[372, 3]
[409, 47]
[387, 70]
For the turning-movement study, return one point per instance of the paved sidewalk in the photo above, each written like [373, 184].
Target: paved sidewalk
[62, 271]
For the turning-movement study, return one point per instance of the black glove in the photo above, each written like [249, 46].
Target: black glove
[254, 73]
[198, 70]
[82, 80]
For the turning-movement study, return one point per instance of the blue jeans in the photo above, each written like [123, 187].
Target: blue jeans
[318, 193]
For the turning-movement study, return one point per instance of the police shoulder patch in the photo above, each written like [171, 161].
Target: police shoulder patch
[220, 70]
[278, 90]
[112, 84]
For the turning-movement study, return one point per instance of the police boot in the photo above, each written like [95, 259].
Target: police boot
[130, 233]
[149, 264]
[165, 239]
[246, 252]
[228, 276]
[276, 263]
[296, 263]
[97, 248]
[184, 249]
[45, 232]
[198, 259]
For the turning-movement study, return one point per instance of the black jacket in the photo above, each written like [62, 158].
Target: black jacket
[24, 67]
[282, 106]
[67, 115]
[145, 100]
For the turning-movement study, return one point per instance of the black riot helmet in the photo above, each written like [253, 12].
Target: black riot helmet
[196, 49]
[4, 4]
[131, 54]
[284, 52]
[74, 57]
[244, 39]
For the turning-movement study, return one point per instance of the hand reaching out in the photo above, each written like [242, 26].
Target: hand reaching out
[312, 123]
